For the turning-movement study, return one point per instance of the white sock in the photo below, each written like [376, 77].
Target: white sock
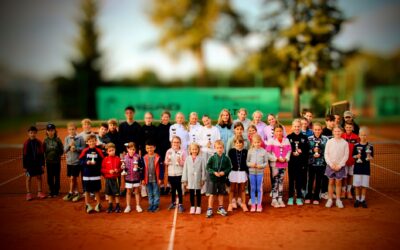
[348, 188]
[344, 189]
[362, 197]
[358, 197]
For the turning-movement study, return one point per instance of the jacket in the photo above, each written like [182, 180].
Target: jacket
[278, 149]
[175, 167]
[72, 157]
[111, 163]
[217, 164]
[53, 149]
[258, 156]
[133, 168]
[157, 164]
[32, 154]
[194, 171]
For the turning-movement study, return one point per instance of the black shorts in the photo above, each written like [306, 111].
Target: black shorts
[112, 187]
[35, 171]
[92, 186]
[73, 170]
[217, 187]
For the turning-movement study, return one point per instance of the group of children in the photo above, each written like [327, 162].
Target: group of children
[206, 159]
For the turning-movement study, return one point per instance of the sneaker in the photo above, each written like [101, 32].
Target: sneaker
[290, 201]
[150, 208]
[198, 210]
[349, 196]
[98, 207]
[315, 202]
[329, 203]
[221, 211]
[230, 208]
[167, 190]
[274, 203]
[307, 201]
[253, 208]
[364, 204]
[339, 204]
[209, 213]
[324, 195]
[138, 209]
[192, 210]
[49, 195]
[29, 197]
[357, 203]
[41, 195]
[172, 206]
[180, 208]
[249, 202]
[234, 204]
[244, 207]
[110, 208]
[68, 197]
[281, 203]
[299, 202]
[259, 208]
[117, 208]
[76, 197]
[127, 209]
[155, 209]
[88, 208]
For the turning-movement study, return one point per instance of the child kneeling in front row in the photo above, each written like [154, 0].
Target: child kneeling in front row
[218, 168]
[363, 152]
[194, 176]
[111, 169]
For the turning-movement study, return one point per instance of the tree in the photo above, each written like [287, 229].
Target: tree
[302, 32]
[78, 93]
[186, 24]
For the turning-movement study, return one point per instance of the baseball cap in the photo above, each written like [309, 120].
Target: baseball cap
[50, 126]
[347, 113]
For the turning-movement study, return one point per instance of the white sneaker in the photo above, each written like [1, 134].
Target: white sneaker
[249, 202]
[281, 203]
[192, 210]
[324, 196]
[274, 203]
[198, 210]
[139, 209]
[234, 204]
[127, 209]
[239, 202]
[339, 204]
[329, 203]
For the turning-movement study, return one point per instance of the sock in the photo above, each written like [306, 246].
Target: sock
[358, 197]
[343, 189]
[362, 197]
[337, 198]
[348, 188]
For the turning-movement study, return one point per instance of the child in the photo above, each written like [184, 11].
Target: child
[53, 150]
[111, 169]
[194, 128]
[163, 144]
[330, 123]
[174, 161]
[73, 146]
[134, 169]
[316, 164]
[114, 135]
[309, 116]
[86, 128]
[129, 130]
[337, 119]
[218, 168]
[179, 129]
[269, 129]
[257, 160]
[238, 130]
[238, 175]
[351, 139]
[147, 131]
[242, 117]
[363, 152]
[102, 137]
[305, 130]
[225, 126]
[348, 117]
[298, 162]
[257, 121]
[152, 176]
[90, 160]
[336, 155]
[194, 176]
[279, 150]
[33, 162]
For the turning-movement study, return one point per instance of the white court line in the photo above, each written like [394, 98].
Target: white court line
[172, 235]
[385, 195]
[8, 161]
[391, 171]
[10, 180]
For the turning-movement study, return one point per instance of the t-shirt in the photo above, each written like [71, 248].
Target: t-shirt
[152, 170]
[327, 132]
[362, 168]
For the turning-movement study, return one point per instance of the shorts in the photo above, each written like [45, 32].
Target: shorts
[237, 176]
[132, 185]
[92, 186]
[112, 187]
[34, 171]
[361, 180]
[349, 170]
[217, 187]
[337, 175]
[73, 170]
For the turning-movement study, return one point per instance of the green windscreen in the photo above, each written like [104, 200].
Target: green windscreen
[111, 101]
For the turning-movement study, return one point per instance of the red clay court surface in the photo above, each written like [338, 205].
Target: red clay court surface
[55, 224]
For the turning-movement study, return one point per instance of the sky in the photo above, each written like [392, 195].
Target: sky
[38, 36]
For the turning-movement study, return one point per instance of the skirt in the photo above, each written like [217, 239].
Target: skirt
[238, 176]
[337, 175]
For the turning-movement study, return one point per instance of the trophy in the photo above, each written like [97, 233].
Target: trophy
[368, 151]
[194, 137]
[92, 155]
[280, 153]
[178, 156]
[209, 139]
[296, 151]
[135, 163]
[72, 144]
[316, 149]
[123, 167]
[359, 152]
[173, 131]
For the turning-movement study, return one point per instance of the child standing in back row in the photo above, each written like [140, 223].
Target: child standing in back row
[336, 155]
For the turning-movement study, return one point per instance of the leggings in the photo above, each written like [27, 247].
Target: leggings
[279, 174]
[256, 182]
[295, 179]
[316, 172]
[197, 193]
[176, 185]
